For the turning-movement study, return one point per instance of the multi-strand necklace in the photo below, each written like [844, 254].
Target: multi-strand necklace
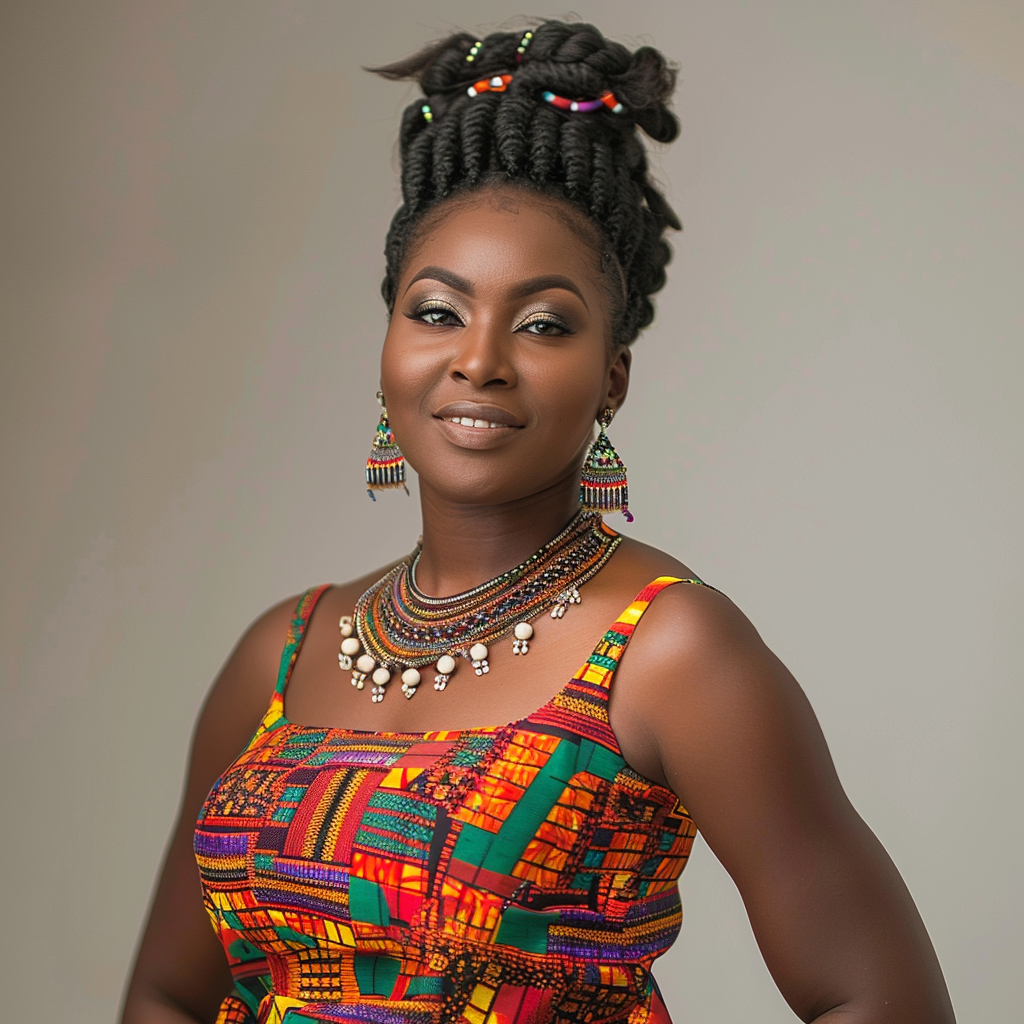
[397, 630]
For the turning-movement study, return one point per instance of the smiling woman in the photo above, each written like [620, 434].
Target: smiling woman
[507, 324]
[508, 851]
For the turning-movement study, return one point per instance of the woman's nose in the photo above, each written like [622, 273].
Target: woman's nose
[483, 357]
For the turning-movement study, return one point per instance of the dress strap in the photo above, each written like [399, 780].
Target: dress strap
[296, 632]
[581, 706]
[274, 716]
[601, 665]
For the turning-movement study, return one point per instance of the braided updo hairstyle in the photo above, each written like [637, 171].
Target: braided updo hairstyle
[452, 143]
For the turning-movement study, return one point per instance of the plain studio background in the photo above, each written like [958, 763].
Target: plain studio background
[825, 420]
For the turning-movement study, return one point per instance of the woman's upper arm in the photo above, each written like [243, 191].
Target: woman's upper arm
[746, 756]
[180, 972]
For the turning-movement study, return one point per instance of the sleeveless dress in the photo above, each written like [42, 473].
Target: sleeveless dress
[498, 875]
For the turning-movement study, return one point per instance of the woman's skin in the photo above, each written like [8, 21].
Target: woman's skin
[503, 314]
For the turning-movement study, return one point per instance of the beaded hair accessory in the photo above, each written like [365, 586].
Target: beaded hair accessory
[606, 99]
[499, 83]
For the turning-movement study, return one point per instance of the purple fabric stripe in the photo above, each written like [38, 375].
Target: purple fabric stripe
[597, 951]
[368, 1013]
[309, 871]
[221, 844]
[333, 910]
[375, 757]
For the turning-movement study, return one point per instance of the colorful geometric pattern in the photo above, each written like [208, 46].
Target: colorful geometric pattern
[500, 875]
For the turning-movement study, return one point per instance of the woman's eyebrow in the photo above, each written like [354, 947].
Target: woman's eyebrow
[518, 291]
[543, 283]
[448, 277]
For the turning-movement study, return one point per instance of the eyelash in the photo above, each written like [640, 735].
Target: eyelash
[535, 318]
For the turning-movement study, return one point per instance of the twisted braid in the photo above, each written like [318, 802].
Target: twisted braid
[596, 162]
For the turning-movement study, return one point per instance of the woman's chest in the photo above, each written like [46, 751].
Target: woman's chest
[388, 830]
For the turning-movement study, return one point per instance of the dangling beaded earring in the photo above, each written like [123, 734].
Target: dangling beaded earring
[385, 468]
[603, 486]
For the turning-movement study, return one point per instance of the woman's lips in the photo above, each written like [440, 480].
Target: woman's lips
[473, 425]
[478, 416]
[467, 421]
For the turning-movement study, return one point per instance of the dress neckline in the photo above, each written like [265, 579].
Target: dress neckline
[283, 721]
[597, 660]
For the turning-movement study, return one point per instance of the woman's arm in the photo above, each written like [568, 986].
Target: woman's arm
[181, 974]
[835, 923]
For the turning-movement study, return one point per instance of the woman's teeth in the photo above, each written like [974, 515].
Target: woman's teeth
[465, 421]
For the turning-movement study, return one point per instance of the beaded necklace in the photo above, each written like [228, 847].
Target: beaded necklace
[397, 629]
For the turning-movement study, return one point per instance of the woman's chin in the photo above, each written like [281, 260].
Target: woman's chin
[477, 488]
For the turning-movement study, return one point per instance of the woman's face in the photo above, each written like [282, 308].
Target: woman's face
[497, 358]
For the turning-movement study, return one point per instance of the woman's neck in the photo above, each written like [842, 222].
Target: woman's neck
[466, 545]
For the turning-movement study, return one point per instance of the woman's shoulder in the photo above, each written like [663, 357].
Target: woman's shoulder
[242, 691]
[687, 623]
[254, 663]
[685, 599]
[699, 695]
[693, 655]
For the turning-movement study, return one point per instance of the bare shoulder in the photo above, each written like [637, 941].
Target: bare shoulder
[682, 612]
[697, 682]
[241, 693]
[688, 623]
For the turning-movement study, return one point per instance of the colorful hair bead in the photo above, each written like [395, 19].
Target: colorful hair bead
[499, 83]
[523, 44]
[473, 51]
[606, 99]
[609, 100]
[428, 114]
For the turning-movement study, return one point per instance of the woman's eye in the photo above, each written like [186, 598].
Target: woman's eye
[546, 326]
[436, 316]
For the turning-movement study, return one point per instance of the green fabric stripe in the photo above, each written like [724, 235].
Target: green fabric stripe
[472, 845]
[252, 991]
[413, 806]
[399, 827]
[532, 808]
[526, 929]
[390, 844]
[375, 975]
[366, 902]
[598, 760]
[425, 986]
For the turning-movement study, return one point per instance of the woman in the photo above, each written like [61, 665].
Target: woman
[391, 850]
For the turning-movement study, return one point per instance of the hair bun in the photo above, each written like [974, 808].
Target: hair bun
[644, 88]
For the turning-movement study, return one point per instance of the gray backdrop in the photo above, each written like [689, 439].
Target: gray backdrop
[825, 421]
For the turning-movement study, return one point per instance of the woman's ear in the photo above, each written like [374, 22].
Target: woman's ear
[618, 377]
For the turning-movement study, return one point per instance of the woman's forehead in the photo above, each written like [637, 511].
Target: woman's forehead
[508, 229]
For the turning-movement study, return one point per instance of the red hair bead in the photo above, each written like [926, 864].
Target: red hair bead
[499, 83]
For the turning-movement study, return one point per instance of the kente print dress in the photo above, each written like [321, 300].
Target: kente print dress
[499, 875]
